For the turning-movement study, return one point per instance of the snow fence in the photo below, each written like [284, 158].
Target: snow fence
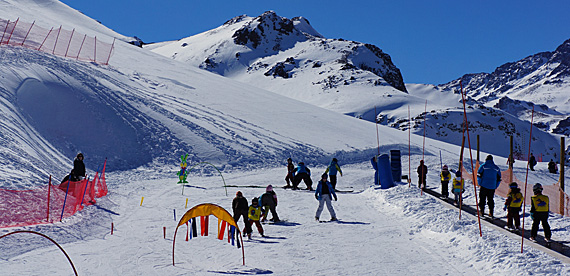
[55, 41]
[50, 203]
[559, 200]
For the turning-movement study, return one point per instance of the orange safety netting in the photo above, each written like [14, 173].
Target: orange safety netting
[49, 203]
[55, 41]
[559, 200]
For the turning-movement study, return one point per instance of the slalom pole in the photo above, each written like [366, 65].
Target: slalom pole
[65, 200]
[526, 179]
[48, 198]
[378, 141]
[424, 149]
[409, 149]
[471, 157]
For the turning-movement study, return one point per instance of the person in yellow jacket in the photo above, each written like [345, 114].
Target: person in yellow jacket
[513, 205]
[445, 176]
[539, 213]
[254, 213]
[457, 187]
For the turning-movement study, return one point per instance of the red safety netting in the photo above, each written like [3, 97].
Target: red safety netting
[50, 203]
[55, 41]
[559, 200]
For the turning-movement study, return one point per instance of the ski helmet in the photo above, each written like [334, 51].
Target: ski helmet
[513, 185]
[458, 173]
[537, 188]
[254, 200]
[324, 176]
[445, 168]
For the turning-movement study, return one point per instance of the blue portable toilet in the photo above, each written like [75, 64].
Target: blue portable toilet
[383, 172]
[396, 165]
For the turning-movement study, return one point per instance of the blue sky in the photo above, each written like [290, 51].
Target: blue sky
[430, 41]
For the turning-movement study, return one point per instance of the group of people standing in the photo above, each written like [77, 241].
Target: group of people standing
[489, 179]
[260, 206]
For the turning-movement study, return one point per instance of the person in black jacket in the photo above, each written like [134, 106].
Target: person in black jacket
[269, 201]
[422, 174]
[240, 207]
[78, 172]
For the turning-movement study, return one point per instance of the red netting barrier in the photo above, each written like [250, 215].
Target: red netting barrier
[50, 203]
[55, 41]
[559, 200]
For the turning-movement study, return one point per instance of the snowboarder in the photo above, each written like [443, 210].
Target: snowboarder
[445, 178]
[539, 213]
[290, 172]
[457, 187]
[488, 178]
[422, 174]
[269, 201]
[78, 172]
[552, 168]
[532, 162]
[240, 207]
[324, 194]
[302, 173]
[332, 169]
[254, 214]
[513, 205]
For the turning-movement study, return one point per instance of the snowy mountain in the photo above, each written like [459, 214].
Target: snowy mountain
[143, 110]
[289, 57]
[541, 80]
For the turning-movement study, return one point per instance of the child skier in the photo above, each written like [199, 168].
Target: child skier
[457, 187]
[324, 194]
[269, 201]
[513, 207]
[255, 212]
[539, 213]
[332, 169]
[445, 178]
[290, 173]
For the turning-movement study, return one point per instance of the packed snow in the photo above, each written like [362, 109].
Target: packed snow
[144, 110]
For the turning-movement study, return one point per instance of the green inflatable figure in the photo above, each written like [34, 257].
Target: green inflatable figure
[182, 174]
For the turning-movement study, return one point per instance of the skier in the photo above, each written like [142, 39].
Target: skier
[513, 205]
[290, 172]
[269, 201]
[511, 161]
[240, 208]
[78, 172]
[488, 178]
[552, 168]
[457, 187]
[445, 178]
[302, 173]
[532, 162]
[422, 174]
[323, 194]
[254, 214]
[539, 213]
[332, 169]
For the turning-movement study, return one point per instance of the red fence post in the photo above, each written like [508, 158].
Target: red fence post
[2, 39]
[71, 38]
[56, 39]
[95, 51]
[13, 29]
[110, 51]
[45, 39]
[48, 198]
[23, 41]
[81, 47]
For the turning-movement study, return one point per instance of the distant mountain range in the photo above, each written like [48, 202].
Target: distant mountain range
[289, 57]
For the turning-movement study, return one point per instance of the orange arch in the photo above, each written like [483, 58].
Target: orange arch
[204, 210]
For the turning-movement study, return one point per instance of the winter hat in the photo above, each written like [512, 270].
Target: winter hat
[324, 176]
[445, 168]
[269, 188]
[489, 157]
[239, 194]
[513, 185]
[458, 173]
[254, 200]
[335, 160]
[421, 161]
[537, 188]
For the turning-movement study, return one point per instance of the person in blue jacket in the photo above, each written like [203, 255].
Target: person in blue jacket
[488, 178]
[324, 194]
[302, 173]
[332, 169]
